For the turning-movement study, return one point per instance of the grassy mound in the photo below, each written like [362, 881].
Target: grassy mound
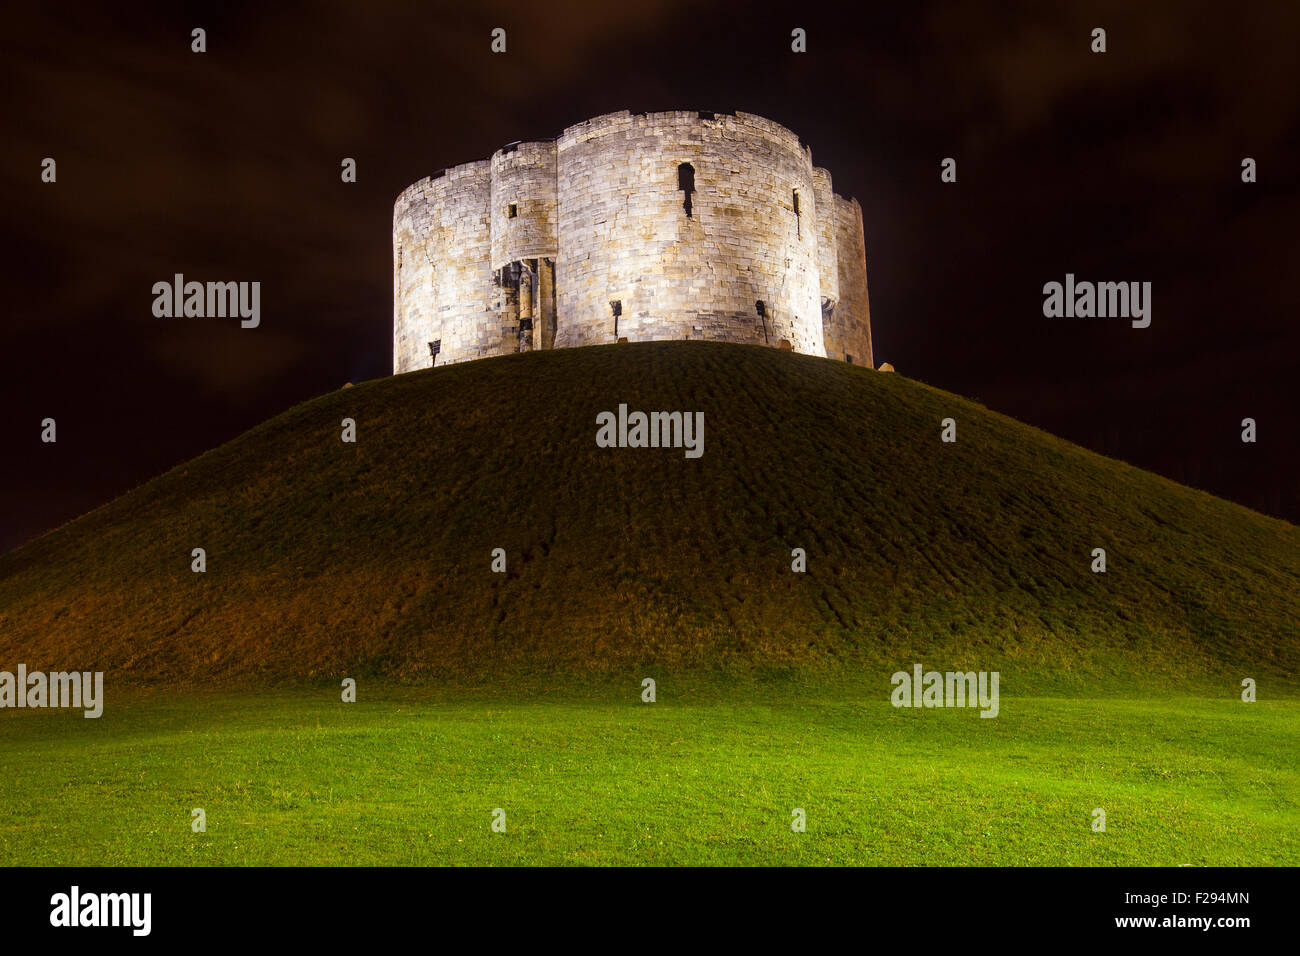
[327, 559]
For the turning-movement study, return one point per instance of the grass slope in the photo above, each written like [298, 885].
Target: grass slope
[328, 559]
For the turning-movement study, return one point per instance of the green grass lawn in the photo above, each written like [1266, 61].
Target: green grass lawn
[699, 777]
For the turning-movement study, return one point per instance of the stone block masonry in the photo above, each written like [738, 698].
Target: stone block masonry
[676, 225]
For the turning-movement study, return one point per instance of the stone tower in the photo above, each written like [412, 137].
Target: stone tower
[648, 227]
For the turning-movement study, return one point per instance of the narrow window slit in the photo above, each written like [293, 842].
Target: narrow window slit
[686, 183]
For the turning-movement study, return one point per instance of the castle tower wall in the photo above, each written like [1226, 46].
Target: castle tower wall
[625, 234]
[471, 326]
[849, 328]
[523, 182]
[655, 226]
[443, 283]
[828, 265]
[416, 320]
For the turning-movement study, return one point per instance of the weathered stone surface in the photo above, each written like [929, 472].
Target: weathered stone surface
[588, 239]
[848, 329]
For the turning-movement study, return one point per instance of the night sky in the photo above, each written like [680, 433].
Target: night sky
[225, 166]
